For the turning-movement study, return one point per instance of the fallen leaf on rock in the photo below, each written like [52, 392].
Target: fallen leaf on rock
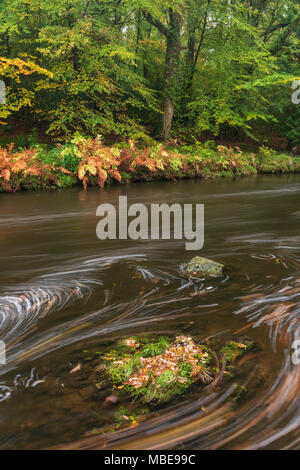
[76, 369]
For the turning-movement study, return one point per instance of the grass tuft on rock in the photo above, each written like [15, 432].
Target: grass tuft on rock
[159, 370]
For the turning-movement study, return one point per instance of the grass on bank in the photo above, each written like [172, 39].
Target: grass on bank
[88, 162]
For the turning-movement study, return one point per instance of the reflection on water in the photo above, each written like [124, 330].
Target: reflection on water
[62, 292]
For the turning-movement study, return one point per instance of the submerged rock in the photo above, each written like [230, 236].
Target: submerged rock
[202, 267]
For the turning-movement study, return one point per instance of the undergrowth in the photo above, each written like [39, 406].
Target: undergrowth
[88, 162]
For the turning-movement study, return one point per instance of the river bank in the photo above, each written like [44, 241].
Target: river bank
[88, 162]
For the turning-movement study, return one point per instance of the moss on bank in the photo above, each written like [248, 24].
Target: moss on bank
[88, 162]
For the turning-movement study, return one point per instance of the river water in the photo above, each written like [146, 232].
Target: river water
[66, 296]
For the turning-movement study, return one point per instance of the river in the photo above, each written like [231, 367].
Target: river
[65, 296]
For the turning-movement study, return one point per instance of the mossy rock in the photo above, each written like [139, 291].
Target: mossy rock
[233, 350]
[154, 370]
[159, 370]
[201, 267]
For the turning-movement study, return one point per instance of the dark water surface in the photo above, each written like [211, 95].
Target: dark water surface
[63, 292]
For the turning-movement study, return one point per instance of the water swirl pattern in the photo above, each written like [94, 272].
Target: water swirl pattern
[64, 296]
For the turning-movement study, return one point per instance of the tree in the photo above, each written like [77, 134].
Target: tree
[172, 34]
[19, 95]
[118, 66]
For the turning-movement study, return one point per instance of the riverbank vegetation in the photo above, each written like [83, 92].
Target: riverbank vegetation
[180, 69]
[88, 162]
[172, 87]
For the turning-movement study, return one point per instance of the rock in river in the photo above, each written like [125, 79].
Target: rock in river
[202, 267]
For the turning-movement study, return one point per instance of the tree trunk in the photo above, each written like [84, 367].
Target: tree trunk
[173, 38]
[168, 117]
[172, 66]
[197, 53]
[191, 46]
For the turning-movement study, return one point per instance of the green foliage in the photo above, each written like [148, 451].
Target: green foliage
[123, 366]
[232, 350]
[122, 372]
[88, 162]
[135, 370]
[19, 94]
[106, 67]
[154, 349]
[270, 162]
